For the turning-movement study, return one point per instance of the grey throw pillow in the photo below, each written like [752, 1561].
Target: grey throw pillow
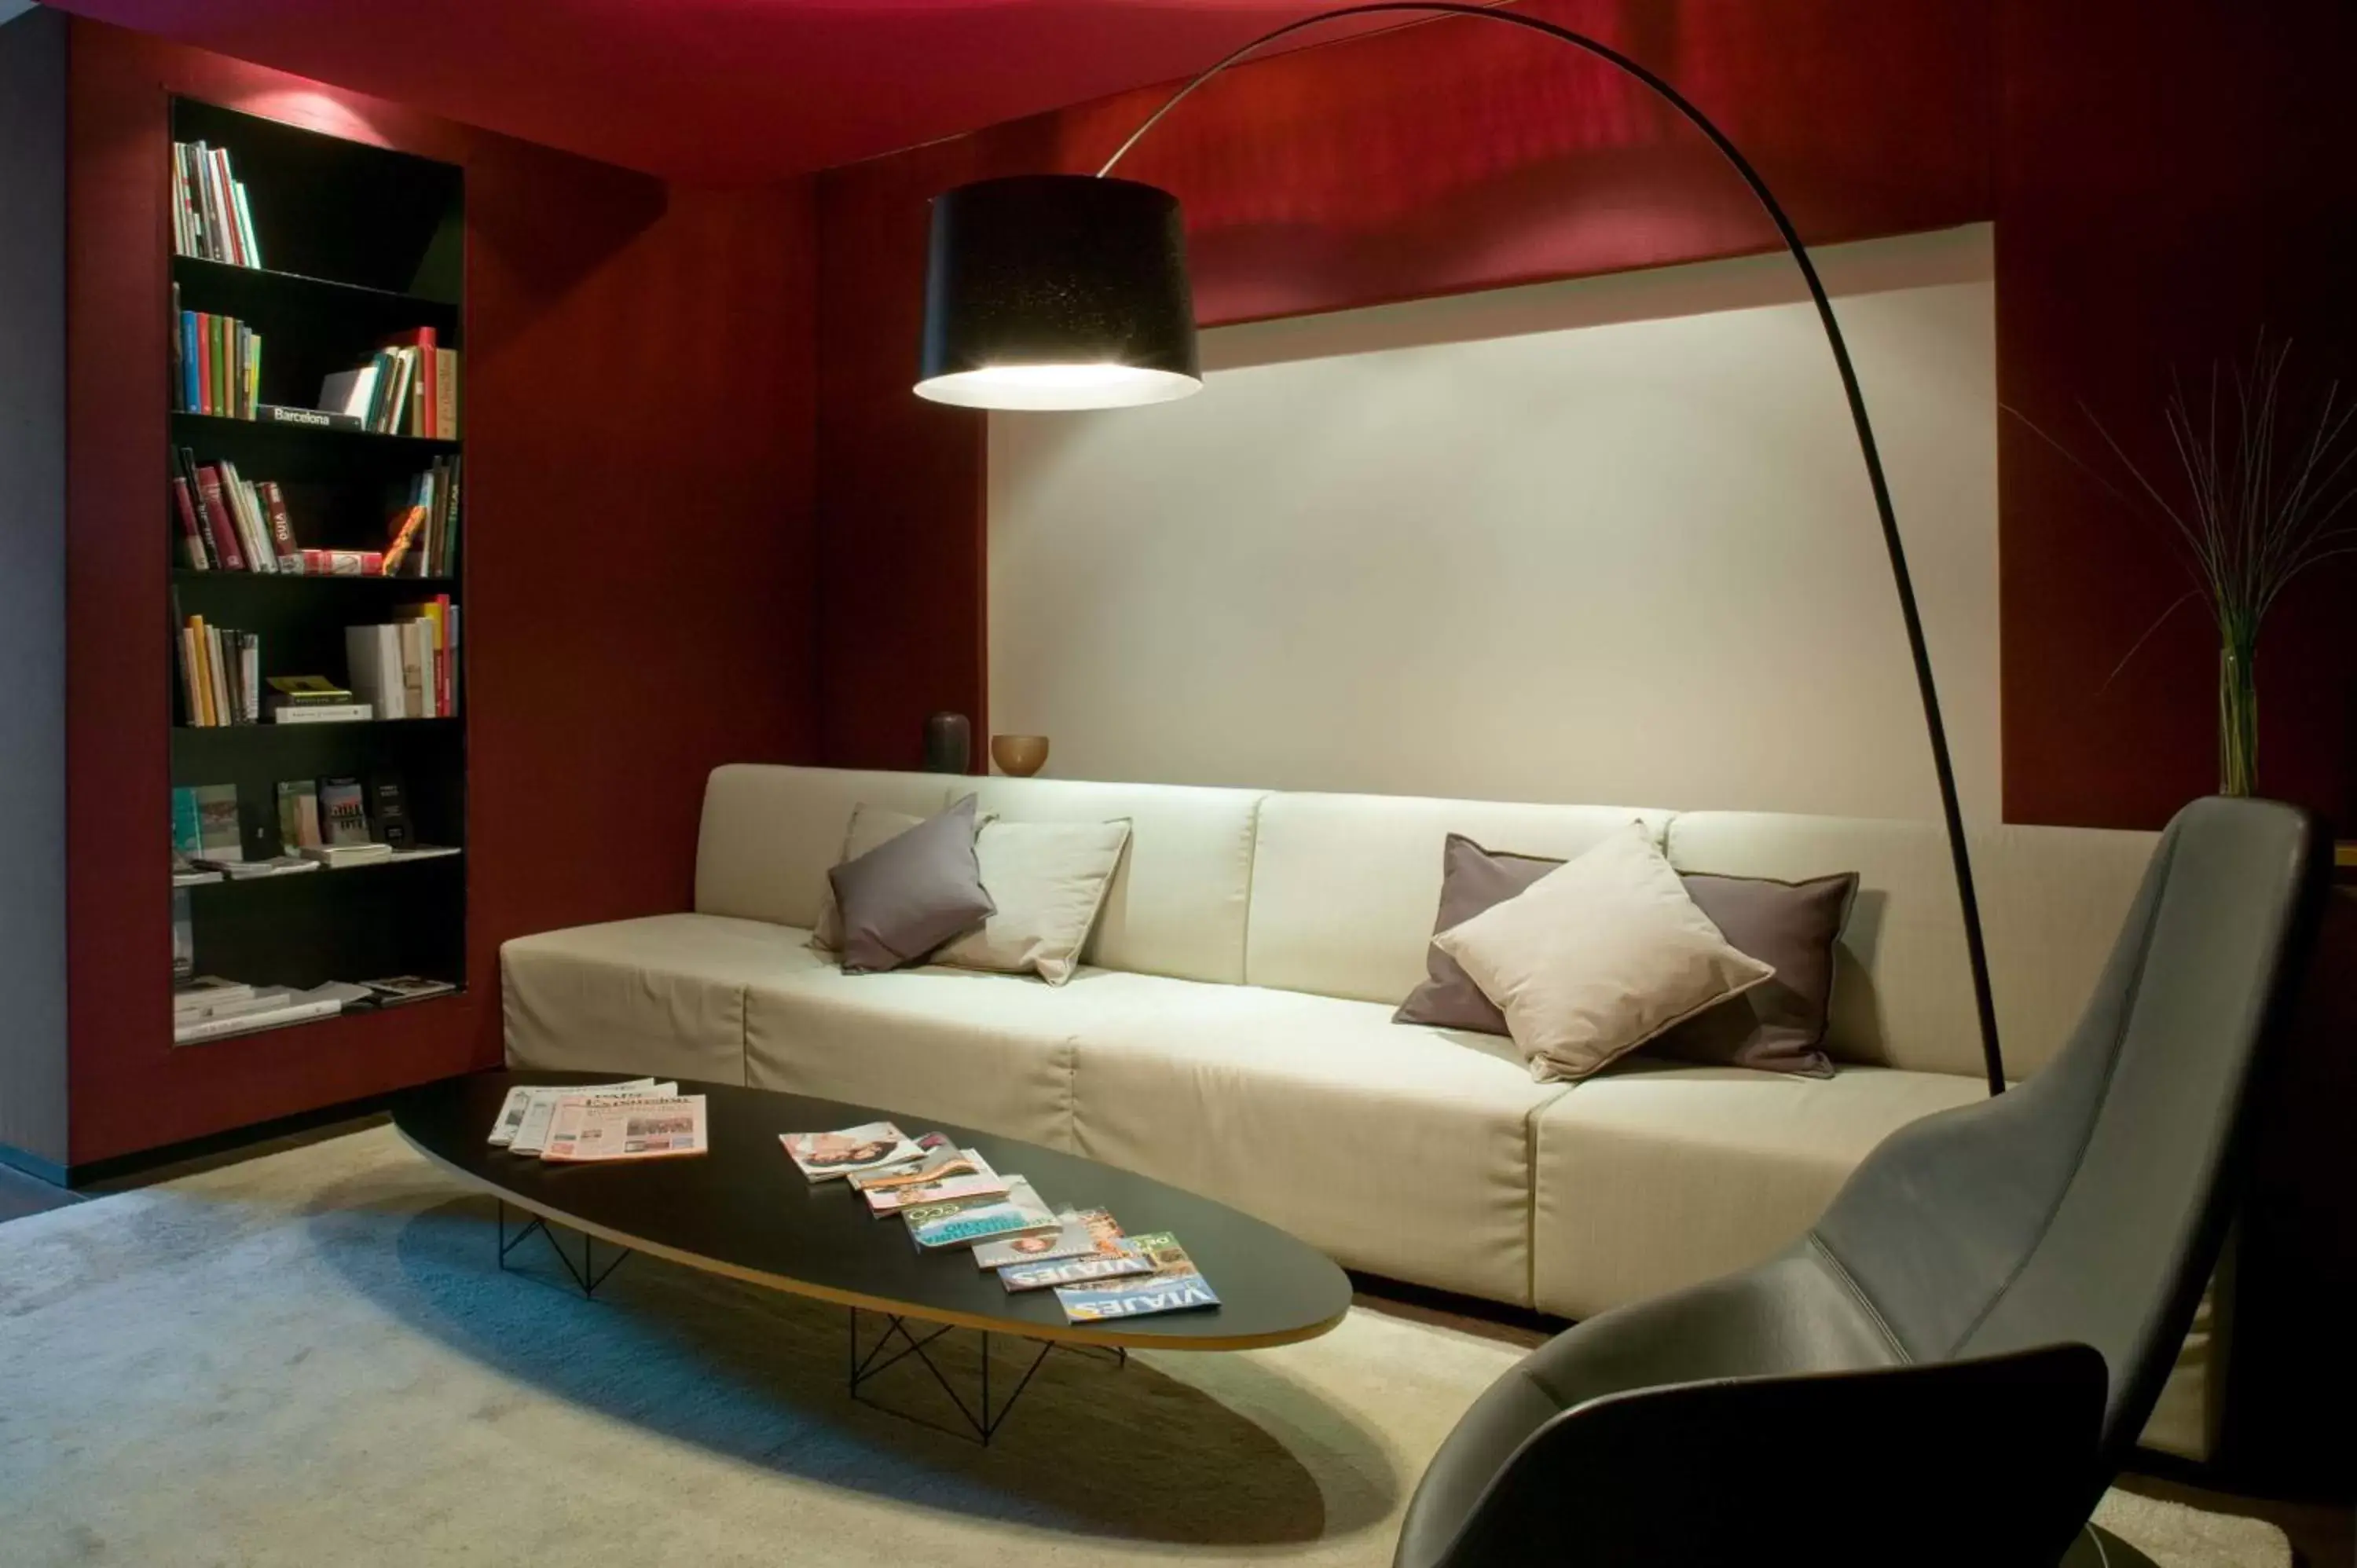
[1777, 1026]
[1471, 880]
[911, 894]
[1791, 926]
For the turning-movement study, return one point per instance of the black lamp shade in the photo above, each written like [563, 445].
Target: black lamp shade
[1057, 291]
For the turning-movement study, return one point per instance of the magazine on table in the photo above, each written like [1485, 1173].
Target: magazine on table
[588, 1127]
[1019, 1213]
[874, 1145]
[976, 1180]
[525, 1112]
[918, 1214]
[1175, 1286]
[942, 1160]
[1088, 1270]
[1087, 1233]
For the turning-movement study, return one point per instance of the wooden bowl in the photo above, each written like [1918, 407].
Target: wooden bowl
[1020, 754]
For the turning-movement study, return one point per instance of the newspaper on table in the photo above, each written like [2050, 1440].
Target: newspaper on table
[523, 1124]
[587, 1127]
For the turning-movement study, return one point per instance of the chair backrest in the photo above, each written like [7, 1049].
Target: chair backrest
[2089, 1204]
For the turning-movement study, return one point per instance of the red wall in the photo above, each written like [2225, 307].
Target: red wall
[2157, 191]
[639, 567]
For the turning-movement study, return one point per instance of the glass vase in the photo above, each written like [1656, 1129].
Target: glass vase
[2238, 720]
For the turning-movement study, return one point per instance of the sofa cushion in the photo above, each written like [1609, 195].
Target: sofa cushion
[870, 828]
[2051, 902]
[1657, 1176]
[1794, 927]
[1176, 904]
[981, 1050]
[1397, 1149]
[661, 995]
[1343, 887]
[771, 834]
[1472, 880]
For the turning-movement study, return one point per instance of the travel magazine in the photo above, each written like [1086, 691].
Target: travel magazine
[1175, 1286]
[873, 1145]
[1019, 1212]
[1085, 1233]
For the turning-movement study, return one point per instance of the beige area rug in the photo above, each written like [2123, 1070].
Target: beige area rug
[311, 1358]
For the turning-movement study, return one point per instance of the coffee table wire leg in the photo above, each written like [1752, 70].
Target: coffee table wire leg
[983, 1422]
[586, 1275]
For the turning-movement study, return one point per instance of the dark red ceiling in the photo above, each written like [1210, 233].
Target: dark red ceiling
[720, 91]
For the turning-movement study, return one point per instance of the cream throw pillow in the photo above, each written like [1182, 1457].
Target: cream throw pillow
[1048, 880]
[1598, 956]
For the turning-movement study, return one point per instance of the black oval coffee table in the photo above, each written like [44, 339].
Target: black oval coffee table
[745, 1211]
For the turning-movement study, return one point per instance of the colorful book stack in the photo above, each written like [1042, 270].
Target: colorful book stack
[408, 669]
[424, 536]
[217, 362]
[228, 523]
[211, 219]
[220, 675]
[408, 387]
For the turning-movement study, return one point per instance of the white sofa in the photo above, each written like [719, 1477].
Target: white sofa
[1232, 1032]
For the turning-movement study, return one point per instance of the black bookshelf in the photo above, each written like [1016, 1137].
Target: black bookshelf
[364, 243]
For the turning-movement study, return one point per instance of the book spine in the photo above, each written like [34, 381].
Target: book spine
[446, 393]
[404, 535]
[191, 694]
[221, 529]
[249, 385]
[217, 666]
[250, 675]
[245, 226]
[179, 204]
[217, 163]
[192, 537]
[200, 363]
[282, 527]
[241, 1023]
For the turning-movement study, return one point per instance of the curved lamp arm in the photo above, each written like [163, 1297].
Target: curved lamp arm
[1901, 580]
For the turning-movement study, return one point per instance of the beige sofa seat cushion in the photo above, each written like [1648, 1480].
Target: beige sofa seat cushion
[664, 995]
[1657, 1176]
[1177, 900]
[2052, 904]
[771, 834]
[932, 1044]
[1391, 1147]
[1345, 887]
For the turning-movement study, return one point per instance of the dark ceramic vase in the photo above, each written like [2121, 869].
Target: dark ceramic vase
[949, 744]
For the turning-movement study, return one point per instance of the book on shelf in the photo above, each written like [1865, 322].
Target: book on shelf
[407, 669]
[320, 713]
[220, 363]
[220, 675]
[205, 823]
[212, 216]
[872, 1145]
[1175, 1285]
[423, 532]
[1019, 1213]
[313, 699]
[201, 993]
[343, 815]
[343, 563]
[389, 811]
[342, 857]
[589, 1128]
[408, 386]
[285, 1004]
[1084, 1233]
[248, 870]
[395, 989]
[298, 814]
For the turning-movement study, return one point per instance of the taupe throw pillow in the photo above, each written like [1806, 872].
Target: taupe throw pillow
[1471, 880]
[870, 828]
[906, 897]
[1778, 1027]
[1598, 956]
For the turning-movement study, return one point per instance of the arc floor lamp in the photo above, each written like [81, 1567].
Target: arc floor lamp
[1069, 292]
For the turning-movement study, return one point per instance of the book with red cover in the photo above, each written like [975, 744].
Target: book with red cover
[192, 537]
[282, 525]
[224, 528]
